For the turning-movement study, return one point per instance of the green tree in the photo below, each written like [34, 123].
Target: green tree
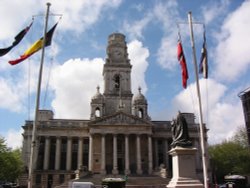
[240, 137]
[231, 156]
[10, 163]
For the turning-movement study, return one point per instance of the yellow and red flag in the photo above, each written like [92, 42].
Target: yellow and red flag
[35, 47]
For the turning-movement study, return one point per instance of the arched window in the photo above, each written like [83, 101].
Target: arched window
[140, 113]
[117, 81]
[97, 112]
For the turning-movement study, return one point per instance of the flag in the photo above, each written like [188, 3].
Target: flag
[203, 66]
[35, 47]
[182, 60]
[18, 39]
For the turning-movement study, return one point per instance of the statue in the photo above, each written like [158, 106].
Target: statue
[180, 132]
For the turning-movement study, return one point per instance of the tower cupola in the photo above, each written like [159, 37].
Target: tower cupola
[140, 105]
[97, 104]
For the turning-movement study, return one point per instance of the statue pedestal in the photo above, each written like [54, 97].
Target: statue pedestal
[184, 173]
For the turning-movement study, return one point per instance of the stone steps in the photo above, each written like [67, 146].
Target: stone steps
[132, 181]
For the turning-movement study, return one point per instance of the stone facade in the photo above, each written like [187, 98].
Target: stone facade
[245, 99]
[119, 137]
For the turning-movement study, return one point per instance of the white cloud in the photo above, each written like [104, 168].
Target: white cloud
[166, 54]
[214, 10]
[9, 97]
[14, 15]
[78, 15]
[74, 83]
[135, 29]
[18, 84]
[138, 7]
[232, 55]
[13, 138]
[221, 116]
[138, 56]
[225, 118]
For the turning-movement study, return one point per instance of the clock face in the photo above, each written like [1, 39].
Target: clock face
[118, 53]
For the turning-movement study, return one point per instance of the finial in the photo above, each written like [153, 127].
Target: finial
[139, 88]
[98, 89]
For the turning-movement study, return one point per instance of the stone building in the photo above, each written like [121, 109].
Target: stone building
[245, 99]
[119, 137]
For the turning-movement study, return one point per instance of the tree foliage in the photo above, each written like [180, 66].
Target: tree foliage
[231, 156]
[10, 163]
[240, 137]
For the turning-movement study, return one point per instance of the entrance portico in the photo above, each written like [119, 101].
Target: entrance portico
[116, 154]
[122, 149]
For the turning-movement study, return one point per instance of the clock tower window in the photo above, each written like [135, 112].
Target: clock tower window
[117, 81]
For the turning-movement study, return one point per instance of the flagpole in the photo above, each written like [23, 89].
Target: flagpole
[35, 122]
[205, 177]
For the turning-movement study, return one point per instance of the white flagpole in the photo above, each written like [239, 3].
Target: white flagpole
[35, 122]
[205, 177]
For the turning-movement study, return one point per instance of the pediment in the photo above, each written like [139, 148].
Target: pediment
[120, 118]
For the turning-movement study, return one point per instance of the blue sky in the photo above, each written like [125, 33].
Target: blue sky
[74, 61]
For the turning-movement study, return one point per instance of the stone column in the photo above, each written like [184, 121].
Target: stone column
[114, 171]
[103, 157]
[69, 154]
[156, 153]
[150, 158]
[58, 153]
[46, 154]
[166, 153]
[80, 148]
[138, 154]
[90, 152]
[127, 170]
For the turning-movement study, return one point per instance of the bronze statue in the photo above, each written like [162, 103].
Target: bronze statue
[180, 132]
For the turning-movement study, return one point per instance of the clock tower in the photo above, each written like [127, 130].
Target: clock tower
[117, 76]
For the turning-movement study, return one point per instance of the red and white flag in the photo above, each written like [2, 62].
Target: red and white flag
[182, 60]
